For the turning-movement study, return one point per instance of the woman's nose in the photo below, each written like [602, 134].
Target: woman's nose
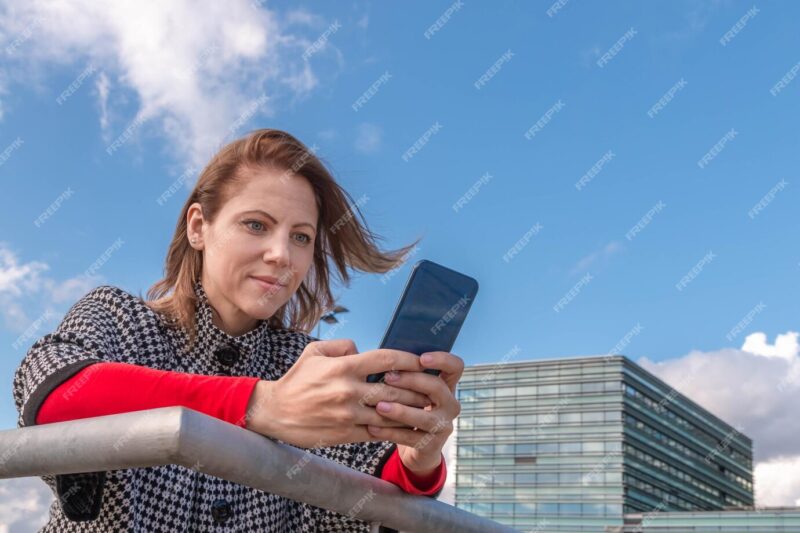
[277, 251]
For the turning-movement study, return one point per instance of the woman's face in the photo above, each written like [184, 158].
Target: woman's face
[267, 229]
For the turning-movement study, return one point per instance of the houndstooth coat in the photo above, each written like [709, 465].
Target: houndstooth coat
[110, 324]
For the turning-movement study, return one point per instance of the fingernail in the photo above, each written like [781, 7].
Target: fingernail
[392, 376]
[383, 406]
[374, 429]
[427, 358]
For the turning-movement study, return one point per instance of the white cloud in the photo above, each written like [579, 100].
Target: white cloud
[756, 389]
[602, 254]
[16, 278]
[24, 504]
[328, 134]
[26, 295]
[103, 85]
[785, 347]
[368, 138]
[304, 17]
[778, 482]
[192, 71]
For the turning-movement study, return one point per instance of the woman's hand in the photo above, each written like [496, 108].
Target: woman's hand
[420, 448]
[324, 398]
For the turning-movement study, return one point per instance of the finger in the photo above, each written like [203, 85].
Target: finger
[409, 437]
[334, 347]
[432, 387]
[451, 366]
[362, 435]
[384, 360]
[430, 421]
[369, 416]
[371, 394]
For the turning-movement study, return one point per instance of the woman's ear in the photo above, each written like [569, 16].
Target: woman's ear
[194, 226]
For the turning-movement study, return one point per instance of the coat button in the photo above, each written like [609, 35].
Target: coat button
[221, 511]
[227, 354]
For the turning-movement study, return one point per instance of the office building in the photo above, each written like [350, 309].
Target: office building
[575, 444]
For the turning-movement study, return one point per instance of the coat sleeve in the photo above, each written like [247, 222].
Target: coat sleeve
[86, 335]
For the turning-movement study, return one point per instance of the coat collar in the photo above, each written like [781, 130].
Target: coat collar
[208, 334]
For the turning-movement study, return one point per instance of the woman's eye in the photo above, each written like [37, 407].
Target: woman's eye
[250, 222]
[307, 238]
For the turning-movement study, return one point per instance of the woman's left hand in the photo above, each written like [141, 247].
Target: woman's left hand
[420, 448]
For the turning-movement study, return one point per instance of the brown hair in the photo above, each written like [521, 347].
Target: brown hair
[341, 238]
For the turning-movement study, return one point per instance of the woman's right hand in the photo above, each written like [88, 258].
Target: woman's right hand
[324, 398]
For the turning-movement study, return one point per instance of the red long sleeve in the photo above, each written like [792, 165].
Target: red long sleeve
[395, 471]
[112, 388]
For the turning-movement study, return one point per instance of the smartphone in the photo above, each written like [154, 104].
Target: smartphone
[430, 312]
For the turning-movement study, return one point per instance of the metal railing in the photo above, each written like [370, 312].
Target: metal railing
[177, 435]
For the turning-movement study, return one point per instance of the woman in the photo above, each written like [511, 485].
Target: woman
[247, 275]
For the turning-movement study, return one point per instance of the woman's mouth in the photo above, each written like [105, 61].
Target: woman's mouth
[267, 285]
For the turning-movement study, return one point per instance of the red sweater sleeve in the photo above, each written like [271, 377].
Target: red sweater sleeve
[111, 388]
[396, 472]
[106, 389]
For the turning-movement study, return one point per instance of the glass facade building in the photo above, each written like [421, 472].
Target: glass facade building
[574, 444]
[766, 520]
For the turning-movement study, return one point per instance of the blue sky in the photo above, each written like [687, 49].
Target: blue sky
[726, 92]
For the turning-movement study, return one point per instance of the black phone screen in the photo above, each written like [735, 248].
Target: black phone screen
[430, 312]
